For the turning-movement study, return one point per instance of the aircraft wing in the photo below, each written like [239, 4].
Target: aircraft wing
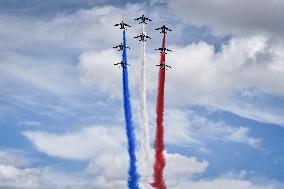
[168, 29]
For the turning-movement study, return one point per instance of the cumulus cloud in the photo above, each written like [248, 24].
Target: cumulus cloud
[107, 156]
[242, 64]
[180, 173]
[13, 178]
[178, 167]
[97, 70]
[182, 167]
[108, 159]
[16, 172]
[213, 78]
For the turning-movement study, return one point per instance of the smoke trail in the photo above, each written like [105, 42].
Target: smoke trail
[145, 160]
[132, 172]
[160, 161]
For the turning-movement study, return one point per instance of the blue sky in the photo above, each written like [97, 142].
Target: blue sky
[61, 116]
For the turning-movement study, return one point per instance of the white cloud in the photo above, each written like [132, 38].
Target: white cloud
[97, 70]
[211, 79]
[81, 145]
[179, 174]
[188, 128]
[105, 149]
[205, 77]
[12, 177]
[241, 135]
[16, 174]
[240, 64]
[108, 160]
[177, 167]
[182, 167]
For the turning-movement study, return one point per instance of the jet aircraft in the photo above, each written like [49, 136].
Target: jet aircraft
[164, 29]
[142, 37]
[143, 19]
[121, 47]
[122, 25]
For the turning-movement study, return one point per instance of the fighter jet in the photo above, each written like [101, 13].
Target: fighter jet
[163, 66]
[164, 29]
[163, 50]
[142, 37]
[143, 19]
[122, 25]
[121, 47]
[122, 64]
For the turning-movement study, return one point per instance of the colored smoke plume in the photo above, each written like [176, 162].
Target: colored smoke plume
[133, 176]
[160, 161]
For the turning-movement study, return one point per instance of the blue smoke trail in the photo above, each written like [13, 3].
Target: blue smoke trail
[132, 172]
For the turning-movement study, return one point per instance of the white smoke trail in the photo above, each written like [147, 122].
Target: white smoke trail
[145, 140]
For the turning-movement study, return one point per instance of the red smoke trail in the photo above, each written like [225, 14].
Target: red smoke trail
[160, 161]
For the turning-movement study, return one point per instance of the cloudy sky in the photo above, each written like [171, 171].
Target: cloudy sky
[61, 116]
